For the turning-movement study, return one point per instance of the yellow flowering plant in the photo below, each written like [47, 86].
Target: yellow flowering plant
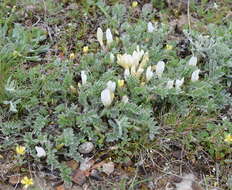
[20, 150]
[228, 138]
[27, 182]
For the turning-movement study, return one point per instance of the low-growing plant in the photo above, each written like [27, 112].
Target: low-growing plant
[113, 96]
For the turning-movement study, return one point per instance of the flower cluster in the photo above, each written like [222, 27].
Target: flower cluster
[135, 63]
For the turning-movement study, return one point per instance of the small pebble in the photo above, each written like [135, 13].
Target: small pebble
[86, 147]
[108, 168]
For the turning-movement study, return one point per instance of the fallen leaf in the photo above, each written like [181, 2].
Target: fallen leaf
[15, 179]
[60, 187]
[79, 176]
[73, 164]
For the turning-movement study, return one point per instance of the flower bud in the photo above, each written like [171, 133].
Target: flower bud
[100, 37]
[170, 84]
[195, 75]
[85, 49]
[150, 27]
[109, 37]
[72, 56]
[179, 83]
[112, 57]
[111, 85]
[107, 97]
[83, 77]
[126, 73]
[193, 61]
[160, 68]
[149, 74]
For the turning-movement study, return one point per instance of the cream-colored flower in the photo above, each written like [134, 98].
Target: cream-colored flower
[83, 77]
[150, 27]
[149, 73]
[111, 85]
[21, 150]
[107, 97]
[125, 60]
[193, 61]
[179, 83]
[195, 75]
[27, 182]
[160, 68]
[100, 36]
[109, 37]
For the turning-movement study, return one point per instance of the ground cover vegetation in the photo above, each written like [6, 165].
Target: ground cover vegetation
[146, 85]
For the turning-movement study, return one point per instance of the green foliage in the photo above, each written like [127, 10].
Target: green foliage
[18, 46]
[47, 105]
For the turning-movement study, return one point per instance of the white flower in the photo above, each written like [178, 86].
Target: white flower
[112, 57]
[100, 36]
[107, 97]
[160, 68]
[83, 77]
[111, 85]
[40, 151]
[170, 84]
[126, 73]
[195, 75]
[179, 83]
[125, 99]
[109, 36]
[193, 61]
[149, 73]
[150, 27]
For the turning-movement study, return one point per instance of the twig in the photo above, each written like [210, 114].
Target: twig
[189, 24]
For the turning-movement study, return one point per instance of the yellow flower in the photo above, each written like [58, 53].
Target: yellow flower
[134, 4]
[27, 182]
[72, 56]
[228, 138]
[169, 47]
[121, 83]
[85, 49]
[20, 150]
